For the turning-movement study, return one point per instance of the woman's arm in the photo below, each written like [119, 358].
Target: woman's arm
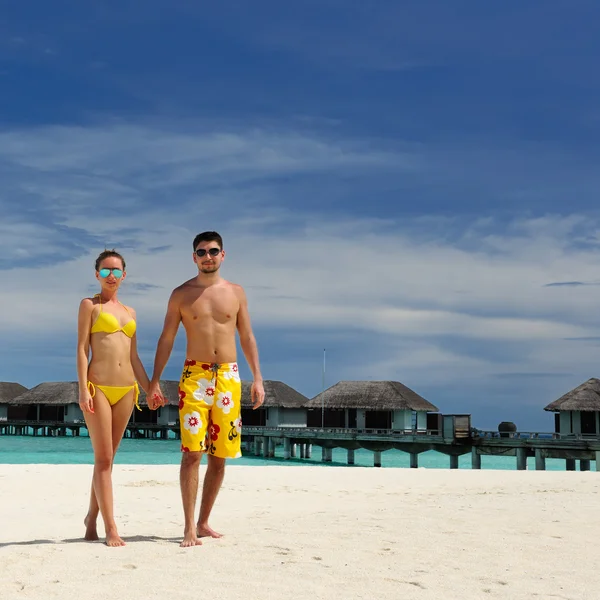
[83, 352]
[136, 362]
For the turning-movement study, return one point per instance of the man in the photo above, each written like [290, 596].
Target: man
[210, 309]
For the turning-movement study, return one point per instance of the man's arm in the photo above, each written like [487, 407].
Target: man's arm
[249, 347]
[164, 348]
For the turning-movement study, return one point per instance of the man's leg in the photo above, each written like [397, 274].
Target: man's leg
[215, 472]
[188, 479]
[193, 418]
[223, 437]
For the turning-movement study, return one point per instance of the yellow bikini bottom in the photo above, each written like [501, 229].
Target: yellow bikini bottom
[114, 393]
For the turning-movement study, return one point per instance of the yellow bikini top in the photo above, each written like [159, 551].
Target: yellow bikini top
[108, 323]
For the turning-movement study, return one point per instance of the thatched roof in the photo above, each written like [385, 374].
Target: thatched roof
[585, 397]
[52, 392]
[372, 395]
[9, 390]
[277, 393]
[67, 392]
[169, 388]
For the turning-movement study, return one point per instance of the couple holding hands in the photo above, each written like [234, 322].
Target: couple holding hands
[211, 310]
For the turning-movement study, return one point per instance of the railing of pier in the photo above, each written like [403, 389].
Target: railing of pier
[40, 424]
[533, 435]
[257, 430]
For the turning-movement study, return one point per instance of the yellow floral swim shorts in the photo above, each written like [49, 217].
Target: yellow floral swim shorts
[210, 398]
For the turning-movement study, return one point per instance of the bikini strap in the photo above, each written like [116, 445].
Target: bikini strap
[136, 395]
[91, 389]
[126, 309]
[100, 299]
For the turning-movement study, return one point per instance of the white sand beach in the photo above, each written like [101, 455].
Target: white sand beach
[306, 533]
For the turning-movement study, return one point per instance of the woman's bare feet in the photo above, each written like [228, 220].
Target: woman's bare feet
[207, 531]
[190, 539]
[91, 533]
[113, 539]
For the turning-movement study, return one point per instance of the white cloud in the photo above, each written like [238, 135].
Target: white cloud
[422, 279]
[312, 278]
[108, 152]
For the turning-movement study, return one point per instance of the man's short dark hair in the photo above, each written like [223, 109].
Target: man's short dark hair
[108, 254]
[208, 236]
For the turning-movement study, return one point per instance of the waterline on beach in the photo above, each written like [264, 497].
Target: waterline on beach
[78, 450]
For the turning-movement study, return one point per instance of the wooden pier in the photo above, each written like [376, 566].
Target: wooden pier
[298, 442]
[59, 429]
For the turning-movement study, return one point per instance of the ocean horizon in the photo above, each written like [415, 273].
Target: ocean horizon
[78, 450]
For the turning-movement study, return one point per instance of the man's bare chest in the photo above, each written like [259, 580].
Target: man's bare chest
[221, 307]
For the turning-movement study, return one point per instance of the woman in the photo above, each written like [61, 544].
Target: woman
[108, 387]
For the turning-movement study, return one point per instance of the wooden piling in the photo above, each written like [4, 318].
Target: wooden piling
[540, 460]
[521, 459]
[475, 459]
[377, 459]
[272, 441]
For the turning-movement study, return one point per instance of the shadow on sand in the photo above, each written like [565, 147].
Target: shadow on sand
[126, 539]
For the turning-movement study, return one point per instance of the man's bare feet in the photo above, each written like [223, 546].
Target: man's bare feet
[113, 539]
[91, 533]
[190, 539]
[206, 531]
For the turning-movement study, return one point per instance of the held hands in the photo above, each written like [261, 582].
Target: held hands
[86, 403]
[257, 394]
[155, 397]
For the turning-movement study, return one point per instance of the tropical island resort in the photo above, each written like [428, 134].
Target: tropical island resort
[372, 415]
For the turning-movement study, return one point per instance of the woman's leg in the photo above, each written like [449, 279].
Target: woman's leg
[118, 429]
[90, 521]
[106, 427]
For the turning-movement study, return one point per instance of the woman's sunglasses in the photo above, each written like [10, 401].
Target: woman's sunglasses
[104, 273]
[212, 251]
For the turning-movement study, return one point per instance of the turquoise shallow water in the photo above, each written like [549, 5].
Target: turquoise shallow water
[78, 450]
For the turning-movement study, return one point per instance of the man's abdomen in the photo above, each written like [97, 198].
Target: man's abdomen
[211, 344]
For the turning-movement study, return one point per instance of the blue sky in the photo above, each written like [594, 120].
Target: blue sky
[411, 185]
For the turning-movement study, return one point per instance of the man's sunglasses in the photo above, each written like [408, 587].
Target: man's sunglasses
[104, 273]
[212, 251]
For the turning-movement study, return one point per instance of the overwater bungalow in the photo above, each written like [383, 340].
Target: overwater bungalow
[166, 415]
[8, 391]
[372, 405]
[283, 406]
[58, 402]
[45, 402]
[578, 411]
